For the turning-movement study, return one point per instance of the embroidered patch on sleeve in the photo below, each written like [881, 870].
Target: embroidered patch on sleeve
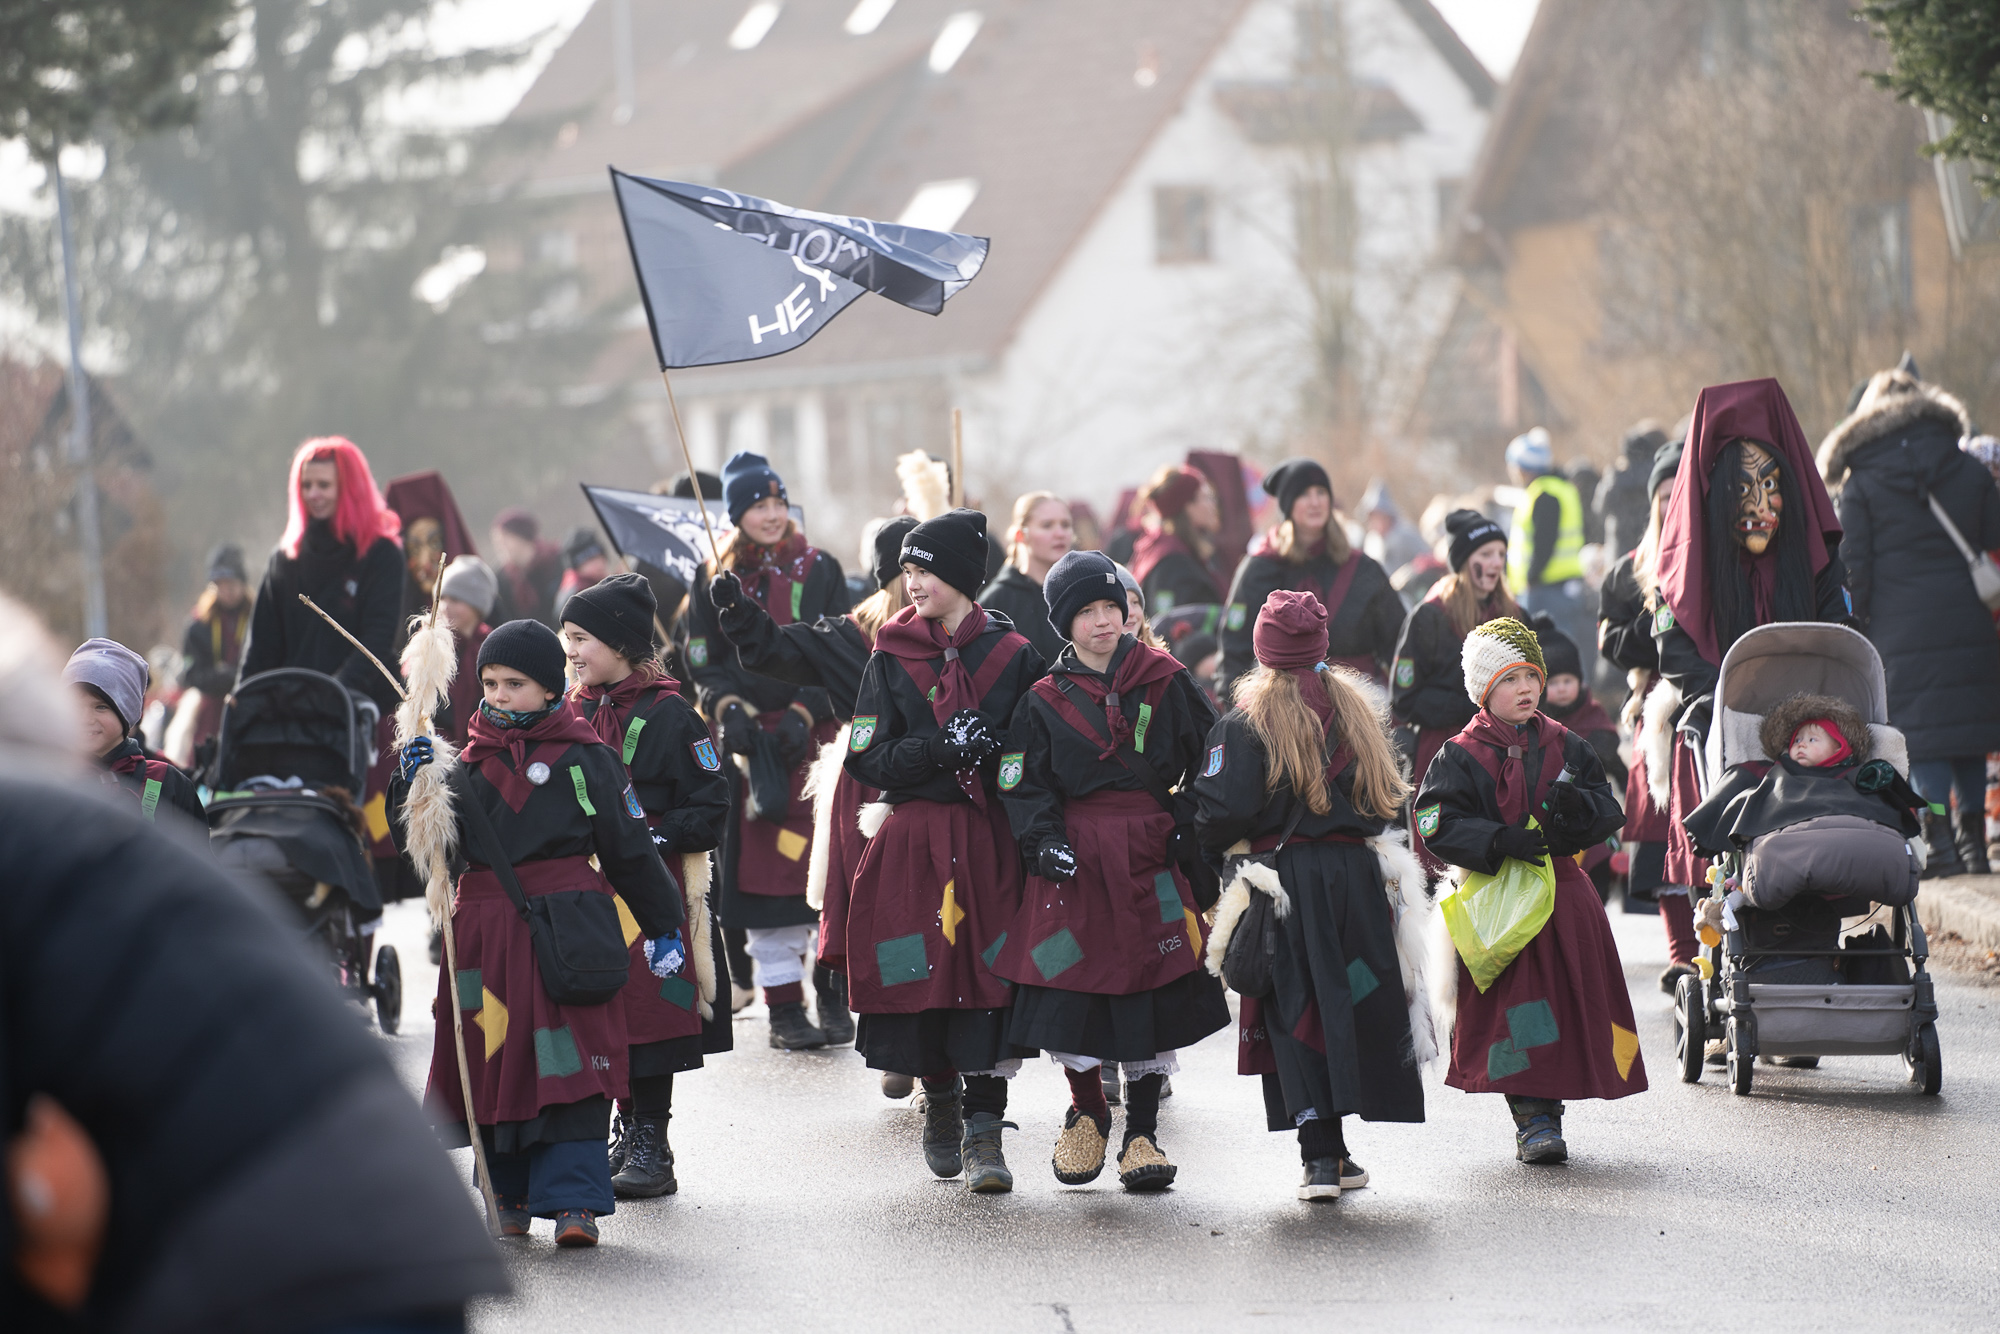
[1214, 765]
[698, 652]
[705, 756]
[863, 733]
[1663, 620]
[1427, 821]
[632, 806]
[1163, 601]
[1011, 767]
[1406, 673]
[1238, 613]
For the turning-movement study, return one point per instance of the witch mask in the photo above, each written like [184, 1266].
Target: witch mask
[1759, 504]
[423, 542]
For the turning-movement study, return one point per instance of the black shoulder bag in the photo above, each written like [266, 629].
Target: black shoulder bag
[1203, 884]
[579, 944]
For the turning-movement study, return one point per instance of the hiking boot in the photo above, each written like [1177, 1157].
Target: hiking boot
[649, 1165]
[985, 1165]
[896, 1086]
[513, 1216]
[1671, 979]
[830, 990]
[1322, 1180]
[1944, 859]
[944, 1128]
[576, 1227]
[1108, 1073]
[791, 1030]
[621, 1138]
[1353, 1176]
[1972, 842]
[1538, 1130]
[1079, 1155]
[1143, 1168]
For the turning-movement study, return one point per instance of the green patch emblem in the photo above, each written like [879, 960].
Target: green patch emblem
[1663, 620]
[1427, 821]
[1011, 766]
[1238, 613]
[1163, 602]
[698, 652]
[471, 989]
[1057, 955]
[902, 960]
[1406, 673]
[677, 991]
[556, 1056]
[863, 733]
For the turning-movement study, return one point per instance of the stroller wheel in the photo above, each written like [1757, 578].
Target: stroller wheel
[1741, 1064]
[388, 989]
[1924, 1060]
[1689, 1029]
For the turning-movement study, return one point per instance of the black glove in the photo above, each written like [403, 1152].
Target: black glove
[962, 742]
[1056, 862]
[1566, 809]
[737, 724]
[1526, 845]
[1182, 849]
[794, 737]
[725, 590]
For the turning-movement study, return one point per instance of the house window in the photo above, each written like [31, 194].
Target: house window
[1879, 247]
[1181, 224]
[556, 248]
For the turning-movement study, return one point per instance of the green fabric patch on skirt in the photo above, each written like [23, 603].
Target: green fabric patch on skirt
[902, 960]
[677, 991]
[992, 952]
[1531, 1025]
[1057, 955]
[556, 1056]
[1502, 1060]
[471, 986]
[1169, 895]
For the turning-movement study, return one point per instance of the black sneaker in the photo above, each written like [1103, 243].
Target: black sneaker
[791, 1030]
[1322, 1181]
[1353, 1176]
[830, 990]
[986, 1171]
[576, 1227]
[944, 1129]
[513, 1216]
[649, 1166]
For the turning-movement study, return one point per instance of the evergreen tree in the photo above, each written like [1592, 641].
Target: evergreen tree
[67, 66]
[1946, 58]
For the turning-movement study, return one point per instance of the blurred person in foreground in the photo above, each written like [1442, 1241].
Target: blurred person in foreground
[200, 1136]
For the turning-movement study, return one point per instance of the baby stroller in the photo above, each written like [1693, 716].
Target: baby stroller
[1873, 998]
[294, 753]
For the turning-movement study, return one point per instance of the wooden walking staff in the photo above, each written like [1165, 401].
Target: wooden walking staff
[957, 458]
[481, 1173]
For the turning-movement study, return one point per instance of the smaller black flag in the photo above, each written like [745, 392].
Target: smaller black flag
[731, 277]
[663, 531]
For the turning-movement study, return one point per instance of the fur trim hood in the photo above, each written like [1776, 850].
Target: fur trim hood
[1795, 711]
[1894, 399]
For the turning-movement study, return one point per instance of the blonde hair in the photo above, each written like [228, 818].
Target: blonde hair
[873, 612]
[1646, 556]
[1467, 610]
[1286, 542]
[1024, 510]
[1297, 746]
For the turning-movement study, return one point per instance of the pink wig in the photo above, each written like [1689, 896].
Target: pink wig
[360, 517]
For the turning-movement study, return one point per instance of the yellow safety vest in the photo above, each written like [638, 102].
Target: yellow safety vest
[1567, 562]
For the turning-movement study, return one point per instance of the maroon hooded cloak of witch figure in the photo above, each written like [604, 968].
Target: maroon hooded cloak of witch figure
[1715, 584]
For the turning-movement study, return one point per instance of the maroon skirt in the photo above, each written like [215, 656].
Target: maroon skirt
[843, 857]
[771, 858]
[932, 899]
[1558, 1022]
[1125, 924]
[659, 1009]
[1684, 867]
[524, 1051]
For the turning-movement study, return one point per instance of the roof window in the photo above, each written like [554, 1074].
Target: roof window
[953, 38]
[756, 21]
[867, 16]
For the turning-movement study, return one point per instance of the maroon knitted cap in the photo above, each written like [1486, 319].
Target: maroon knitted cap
[1176, 492]
[1291, 631]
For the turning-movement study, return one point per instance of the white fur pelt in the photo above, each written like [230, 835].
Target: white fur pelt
[872, 817]
[1442, 957]
[695, 880]
[430, 661]
[821, 780]
[1656, 739]
[1251, 876]
[926, 484]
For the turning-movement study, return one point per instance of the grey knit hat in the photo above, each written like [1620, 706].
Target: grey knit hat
[472, 581]
[115, 672]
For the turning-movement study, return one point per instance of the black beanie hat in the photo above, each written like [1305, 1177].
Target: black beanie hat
[619, 611]
[889, 548]
[582, 545]
[952, 546]
[1291, 479]
[746, 479]
[1666, 463]
[1559, 655]
[682, 486]
[529, 647]
[1470, 530]
[1077, 580]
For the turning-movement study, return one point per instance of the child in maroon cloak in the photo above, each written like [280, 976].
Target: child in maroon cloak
[1750, 539]
[1557, 1022]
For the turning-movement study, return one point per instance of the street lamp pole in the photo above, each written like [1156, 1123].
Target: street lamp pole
[90, 538]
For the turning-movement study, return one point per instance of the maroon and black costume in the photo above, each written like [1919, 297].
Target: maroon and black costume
[677, 776]
[1427, 687]
[543, 1074]
[154, 782]
[764, 866]
[1108, 964]
[1364, 613]
[937, 887]
[1557, 1023]
[1172, 574]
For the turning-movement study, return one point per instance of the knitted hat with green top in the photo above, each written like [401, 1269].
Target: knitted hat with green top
[1496, 648]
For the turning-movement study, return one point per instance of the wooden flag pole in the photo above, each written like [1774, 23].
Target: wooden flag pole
[694, 477]
[957, 459]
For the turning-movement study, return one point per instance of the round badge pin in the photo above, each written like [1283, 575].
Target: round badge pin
[538, 773]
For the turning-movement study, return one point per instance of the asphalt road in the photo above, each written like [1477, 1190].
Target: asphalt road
[1831, 1199]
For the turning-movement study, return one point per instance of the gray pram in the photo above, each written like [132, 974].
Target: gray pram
[1893, 1012]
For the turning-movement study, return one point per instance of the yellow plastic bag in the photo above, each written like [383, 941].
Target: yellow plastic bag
[1493, 917]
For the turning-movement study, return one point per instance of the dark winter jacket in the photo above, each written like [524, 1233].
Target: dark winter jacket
[1624, 626]
[829, 653]
[1586, 718]
[212, 649]
[1059, 762]
[1621, 503]
[364, 594]
[1019, 598]
[1364, 625]
[676, 770]
[894, 722]
[1459, 806]
[1179, 580]
[1695, 676]
[129, 768]
[806, 587]
[1427, 689]
[1754, 799]
[1912, 593]
[224, 1083]
[1234, 801]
